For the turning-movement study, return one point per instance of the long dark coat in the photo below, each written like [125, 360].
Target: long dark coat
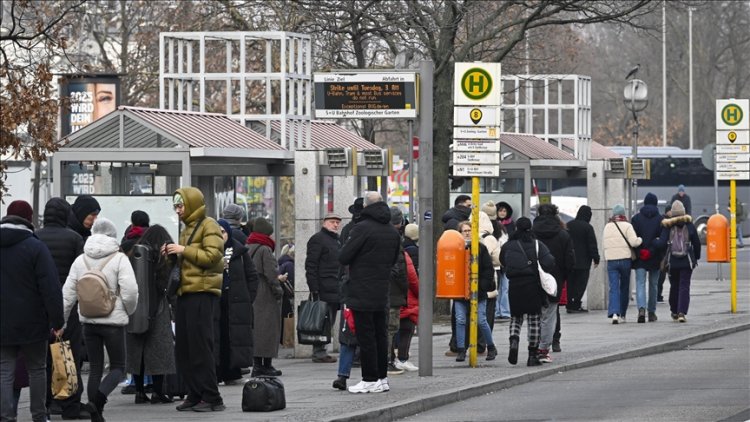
[548, 230]
[267, 304]
[322, 265]
[647, 226]
[237, 298]
[63, 243]
[525, 292]
[584, 240]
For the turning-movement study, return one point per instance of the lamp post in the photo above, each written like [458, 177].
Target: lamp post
[636, 100]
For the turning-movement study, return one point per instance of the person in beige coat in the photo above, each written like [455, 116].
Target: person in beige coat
[618, 242]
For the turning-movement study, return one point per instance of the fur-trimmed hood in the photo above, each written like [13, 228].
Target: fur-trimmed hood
[673, 221]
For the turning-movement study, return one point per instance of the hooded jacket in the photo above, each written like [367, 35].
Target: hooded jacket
[64, 244]
[202, 264]
[547, 229]
[455, 215]
[237, 299]
[662, 243]
[647, 225]
[30, 296]
[81, 208]
[584, 239]
[119, 273]
[322, 265]
[411, 308]
[370, 252]
[507, 222]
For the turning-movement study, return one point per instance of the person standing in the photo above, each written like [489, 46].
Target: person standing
[506, 227]
[322, 273]
[411, 237]
[461, 211]
[370, 252]
[286, 266]
[409, 315]
[398, 288]
[30, 303]
[139, 223]
[84, 211]
[586, 251]
[683, 197]
[683, 249]
[617, 241]
[233, 214]
[267, 304]
[102, 251]
[201, 249]
[647, 226]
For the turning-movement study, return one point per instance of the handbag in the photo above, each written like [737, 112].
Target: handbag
[549, 284]
[633, 256]
[287, 339]
[64, 376]
[313, 323]
[263, 395]
[175, 276]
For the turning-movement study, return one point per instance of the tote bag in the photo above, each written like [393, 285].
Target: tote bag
[64, 377]
[313, 323]
[549, 284]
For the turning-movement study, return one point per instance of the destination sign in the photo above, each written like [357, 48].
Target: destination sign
[466, 170]
[476, 158]
[475, 145]
[366, 95]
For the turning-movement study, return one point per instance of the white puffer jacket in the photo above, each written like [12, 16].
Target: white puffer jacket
[613, 242]
[118, 270]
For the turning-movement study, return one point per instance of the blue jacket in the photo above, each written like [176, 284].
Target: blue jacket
[647, 225]
[30, 293]
[684, 262]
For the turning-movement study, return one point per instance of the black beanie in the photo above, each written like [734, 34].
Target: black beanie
[85, 205]
[139, 219]
[263, 226]
[523, 224]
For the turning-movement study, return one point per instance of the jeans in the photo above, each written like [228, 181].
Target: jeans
[462, 313]
[97, 337]
[372, 336]
[640, 288]
[503, 308]
[618, 271]
[346, 358]
[679, 290]
[35, 355]
[548, 324]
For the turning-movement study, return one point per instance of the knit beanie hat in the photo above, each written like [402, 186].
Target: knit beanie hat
[412, 232]
[681, 188]
[262, 226]
[523, 224]
[85, 205]
[490, 209]
[618, 210]
[21, 209]
[233, 214]
[650, 199]
[397, 217]
[678, 208]
[105, 227]
[139, 219]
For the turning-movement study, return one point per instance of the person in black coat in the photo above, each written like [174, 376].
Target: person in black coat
[461, 211]
[65, 245]
[30, 304]
[236, 320]
[322, 274]
[370, 252]
[684, 198]
[549, 229]
[234, 215]
[519, 259]
[355, 210]
[139, 223]
[586, 251]
[505, 217]
[84, 211]
[647, 226]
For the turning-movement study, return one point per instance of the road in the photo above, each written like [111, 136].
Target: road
[708, 381]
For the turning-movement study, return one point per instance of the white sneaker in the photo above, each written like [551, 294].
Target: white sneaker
[615, 319]
[384, 384]
[405, 365]
[366, 387]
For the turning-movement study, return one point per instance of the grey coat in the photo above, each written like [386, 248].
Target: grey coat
[267, 304]
[155, 345]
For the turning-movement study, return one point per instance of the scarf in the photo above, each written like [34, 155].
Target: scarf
[506, 221]
[619, 218]
[135, 232]
[261, 239]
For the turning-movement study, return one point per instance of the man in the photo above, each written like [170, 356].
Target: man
[586, 250]
[398, 288]
[647, 225]
[682, 197]
[461, 211]
[370, 252]
[30, 303]
[65, 245]
[549, 230]
[202, 267]
[233, 213]
[355, 210]
[322, 272]
[85, 209]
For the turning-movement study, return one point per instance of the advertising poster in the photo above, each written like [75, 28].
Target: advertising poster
[89, 99]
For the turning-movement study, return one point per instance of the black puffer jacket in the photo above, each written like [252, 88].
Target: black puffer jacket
[63, 243]
[486, 273]
[322, 265]
[584, 239]
[237, 298]
[519, 259]
[370, 252]
[548, 230]
[455, 215]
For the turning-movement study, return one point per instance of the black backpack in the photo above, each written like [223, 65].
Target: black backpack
[263, 395]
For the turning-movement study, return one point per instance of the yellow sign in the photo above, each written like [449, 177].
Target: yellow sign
[731, 114]
[732, 136]
[476, 83]
[475, 115]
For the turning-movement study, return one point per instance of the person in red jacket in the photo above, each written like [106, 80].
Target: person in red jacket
[409, 316]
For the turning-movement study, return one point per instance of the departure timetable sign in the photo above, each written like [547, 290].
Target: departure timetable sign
[366, 95]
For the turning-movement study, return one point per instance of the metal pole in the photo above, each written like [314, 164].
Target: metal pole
[664, 73]
[474, 286]
[412, 208]
[690, 69]
[427, 246]
[716, 181]
[634, 198]
[733, 244]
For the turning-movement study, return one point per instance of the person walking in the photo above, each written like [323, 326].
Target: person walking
[30, 304]
[101, 251]
[151, 352]
[200, 256]
[679, 239]
[647, 226]
[267, 304]
[370, 252]
[525, 288]
[461, 211]
[322, 273]
[398, 288]
[663, 273]
[683, 197]
[65, 245]
[84, 211]
[586, 251]
[233, 214]
[618, 241]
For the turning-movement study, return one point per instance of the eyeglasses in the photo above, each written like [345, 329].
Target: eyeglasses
[223, 231]
[466, 231]
[178, 206]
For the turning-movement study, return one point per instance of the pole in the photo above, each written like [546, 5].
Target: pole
[719, 275]
[427, 246]
[474, 287]
[634, 181]
[690, 70]
[664, 73]
[412, 208]
[733, 244]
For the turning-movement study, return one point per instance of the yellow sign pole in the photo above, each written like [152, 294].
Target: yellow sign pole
[474, 287]
[733, 243]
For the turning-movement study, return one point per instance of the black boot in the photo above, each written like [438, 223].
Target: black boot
[96, 407]
[269, 368]
[513, 354]
[533, 357]
[461, 355]
[491, 352]
[340, 383]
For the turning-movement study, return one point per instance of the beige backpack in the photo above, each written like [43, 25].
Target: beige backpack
[95, 299]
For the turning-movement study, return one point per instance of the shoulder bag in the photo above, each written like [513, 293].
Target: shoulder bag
[547, 280]
[633, 256]
[175, 276]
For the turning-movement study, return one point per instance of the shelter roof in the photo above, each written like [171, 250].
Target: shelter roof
[598, 151]
[533, 147]
[324, 134]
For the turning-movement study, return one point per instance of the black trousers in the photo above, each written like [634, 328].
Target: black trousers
[577, 282]
[194, 345]
[372, 336]
[74, 333]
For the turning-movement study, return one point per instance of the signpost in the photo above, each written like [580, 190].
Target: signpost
[366, 95]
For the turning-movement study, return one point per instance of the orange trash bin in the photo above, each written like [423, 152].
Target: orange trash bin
[452, 272]
[717, 239]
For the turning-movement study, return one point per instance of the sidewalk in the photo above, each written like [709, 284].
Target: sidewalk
[587, 340]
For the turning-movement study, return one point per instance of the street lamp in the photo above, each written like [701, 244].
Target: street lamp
[636, 100]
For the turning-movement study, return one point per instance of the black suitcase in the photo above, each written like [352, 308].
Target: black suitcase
[174, 386]
[263, 395]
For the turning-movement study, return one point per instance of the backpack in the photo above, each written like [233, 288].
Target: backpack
[95, 299]
[679, 241]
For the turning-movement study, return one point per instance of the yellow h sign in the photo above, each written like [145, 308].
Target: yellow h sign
[476, 83]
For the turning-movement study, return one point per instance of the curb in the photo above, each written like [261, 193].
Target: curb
[424, 403]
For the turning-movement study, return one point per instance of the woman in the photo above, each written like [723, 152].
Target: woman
[409, 316]
[286, 266]
[519, 259]
[618, 240]
[267, 304]
[152, 352]
[486, 284]
[238, 290]
[102, 249]
[683, 250]
[505, 227]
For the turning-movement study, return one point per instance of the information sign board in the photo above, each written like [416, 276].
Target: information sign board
[476, 158]
[477, 84]
[476, 133]
[475, 145]
[366, 95]
[476, 116]
[467, 170]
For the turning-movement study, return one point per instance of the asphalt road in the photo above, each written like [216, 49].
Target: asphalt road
[708, 381]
